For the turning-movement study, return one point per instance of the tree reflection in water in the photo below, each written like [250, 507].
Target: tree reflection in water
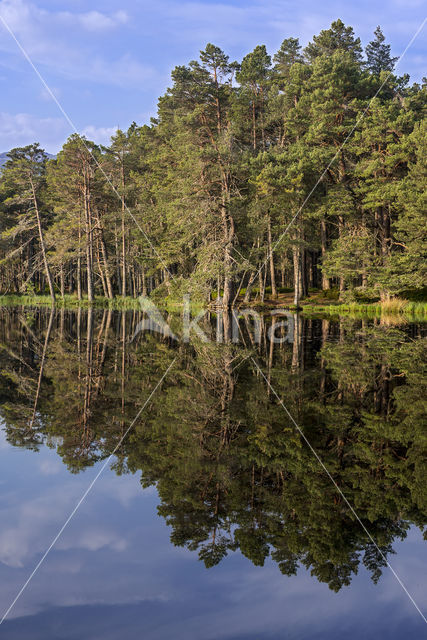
[230, 469]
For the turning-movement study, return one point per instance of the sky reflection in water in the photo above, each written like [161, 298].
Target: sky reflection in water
[115, 574]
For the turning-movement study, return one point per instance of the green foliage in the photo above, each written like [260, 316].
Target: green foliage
[299, 170]
[378, 54]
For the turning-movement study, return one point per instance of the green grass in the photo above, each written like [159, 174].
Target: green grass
[72, 302]
[69, 302]
[392, 307]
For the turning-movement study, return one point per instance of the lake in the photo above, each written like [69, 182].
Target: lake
[263, 474]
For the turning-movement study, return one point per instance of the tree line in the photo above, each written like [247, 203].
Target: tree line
[302, 171]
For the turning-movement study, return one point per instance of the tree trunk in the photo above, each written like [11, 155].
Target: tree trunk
[297, 274]
[326, 284]
[79, 263]
[341, 229]
[89, 254]
[42, 244]
[62, 281]
[271, 259]
[228, 234]
[253, 123]
[106, 265]
[123, 231]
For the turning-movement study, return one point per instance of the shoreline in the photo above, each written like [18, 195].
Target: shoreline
[313, 304]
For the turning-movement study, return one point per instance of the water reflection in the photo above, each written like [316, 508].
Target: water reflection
[230, 469]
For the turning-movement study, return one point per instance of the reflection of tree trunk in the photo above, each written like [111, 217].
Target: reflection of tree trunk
[382, 391]
[61, 323]
[270, 357]
[123, 367]
[89, 372]
[79, 322]
[42, 363]
[325, 334]
[226, 323]
[226, 397]
[296, 346]
[106, 333]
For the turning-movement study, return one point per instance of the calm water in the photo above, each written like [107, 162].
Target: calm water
[214, 519]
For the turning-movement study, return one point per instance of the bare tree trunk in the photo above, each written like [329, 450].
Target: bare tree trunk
[62, 281]
[261, 281]
[88, 219]
[42, 244]
[79, 263]
[253, 123]
[297, 275]
[341, 229]
[228, 232]
[385, 244]
[106, 265]
[101, 270]
[324, 239]
[271, 259]
[144, 282]
[249, 286]
[123, 230]
[118, 273]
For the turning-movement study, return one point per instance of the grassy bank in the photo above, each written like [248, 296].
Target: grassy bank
[100, 302]
[317, 302]
[377, 308]
[69, 302]
[396, 313]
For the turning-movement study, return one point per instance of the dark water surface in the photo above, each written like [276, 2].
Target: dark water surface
[214, 519]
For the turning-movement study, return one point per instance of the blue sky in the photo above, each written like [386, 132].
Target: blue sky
[108, 61]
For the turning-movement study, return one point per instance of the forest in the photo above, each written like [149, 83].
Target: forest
[296, 172]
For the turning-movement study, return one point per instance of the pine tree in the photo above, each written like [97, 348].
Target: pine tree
[378, 54]
[337, 37]
[23, 178]
[253, 77]
[251, 175]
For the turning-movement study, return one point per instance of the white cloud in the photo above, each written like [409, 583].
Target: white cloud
[46, 96]
[96, 21]
[49, 467]
[20, 129]
[57, 41]
[94, 539]
[100, 135]
[30, 526]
